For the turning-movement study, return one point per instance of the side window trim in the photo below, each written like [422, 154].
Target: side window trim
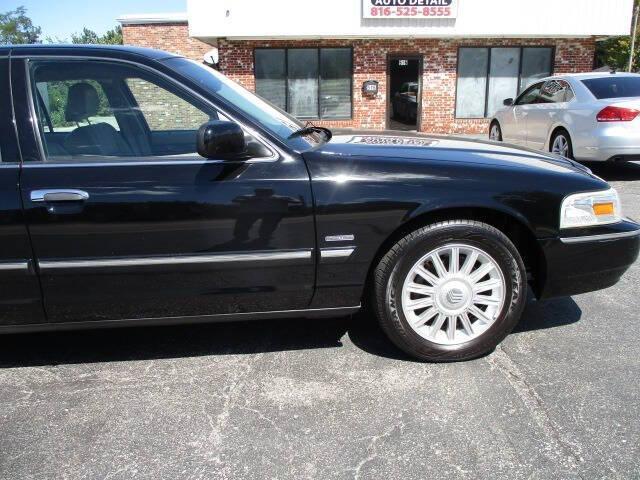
[276, 152]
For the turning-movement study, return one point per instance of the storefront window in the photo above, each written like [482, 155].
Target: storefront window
[487, 76]
[306, 82]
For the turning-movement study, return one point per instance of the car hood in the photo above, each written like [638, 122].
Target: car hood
[399, 146]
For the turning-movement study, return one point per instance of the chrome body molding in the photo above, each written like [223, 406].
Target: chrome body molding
[336, 252]
[222, 317]
[177, 260]
[599, 238]
[340, 238]
[14, 266]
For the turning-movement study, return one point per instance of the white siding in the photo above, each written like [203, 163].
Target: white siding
[342, 19]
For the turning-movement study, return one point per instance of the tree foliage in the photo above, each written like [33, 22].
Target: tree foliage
[614, 52]
[16, 27]
[111, 37]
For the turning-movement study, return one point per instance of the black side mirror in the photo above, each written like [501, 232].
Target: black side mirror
[508, 102]
[220, 140]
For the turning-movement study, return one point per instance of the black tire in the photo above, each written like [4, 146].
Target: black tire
[395, 265]
[562, 133]
[496, 125]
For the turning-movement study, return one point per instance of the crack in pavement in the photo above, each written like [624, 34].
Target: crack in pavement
[567, 453]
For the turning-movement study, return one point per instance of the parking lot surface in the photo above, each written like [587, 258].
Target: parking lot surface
[332, 398]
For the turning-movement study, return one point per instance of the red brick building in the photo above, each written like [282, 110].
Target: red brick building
[443, 68]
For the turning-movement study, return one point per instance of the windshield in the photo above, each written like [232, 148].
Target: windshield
[269, 117]
[614, 87]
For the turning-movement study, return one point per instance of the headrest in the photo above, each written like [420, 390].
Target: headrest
[82, 102]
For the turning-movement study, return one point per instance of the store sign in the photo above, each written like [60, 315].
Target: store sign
[409, 8]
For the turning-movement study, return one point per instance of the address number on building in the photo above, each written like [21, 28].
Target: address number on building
[409, 8]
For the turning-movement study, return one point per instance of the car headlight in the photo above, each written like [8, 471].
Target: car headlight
[589, 209]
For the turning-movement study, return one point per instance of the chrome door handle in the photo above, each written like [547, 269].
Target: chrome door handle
[59, 195]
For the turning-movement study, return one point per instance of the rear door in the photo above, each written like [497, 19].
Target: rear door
[20, 298]
[128, 222]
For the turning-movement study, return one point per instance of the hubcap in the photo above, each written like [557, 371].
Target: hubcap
[494, 134]
[453, 294]
[560, 146]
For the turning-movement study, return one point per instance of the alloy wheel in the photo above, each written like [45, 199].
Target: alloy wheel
[560, 146]
[453, 294]
[494, 133]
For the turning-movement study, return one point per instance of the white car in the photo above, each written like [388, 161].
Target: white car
[586, 116]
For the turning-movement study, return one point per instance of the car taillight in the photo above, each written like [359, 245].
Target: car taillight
[617, 114]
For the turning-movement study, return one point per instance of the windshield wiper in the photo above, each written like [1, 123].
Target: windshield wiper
[311, 128]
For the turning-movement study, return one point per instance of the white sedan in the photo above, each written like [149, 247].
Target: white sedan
[587, 116]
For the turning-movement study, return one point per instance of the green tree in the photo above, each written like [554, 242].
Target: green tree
[111, 37]
[614, 52]
[16, 27]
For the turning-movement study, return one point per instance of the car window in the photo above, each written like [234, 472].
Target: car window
[530, 95]
[88, 110]
[614, 86]
[555, 91]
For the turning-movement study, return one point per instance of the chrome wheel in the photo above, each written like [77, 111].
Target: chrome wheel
[494, 133]
[453, 294]
[560, 146]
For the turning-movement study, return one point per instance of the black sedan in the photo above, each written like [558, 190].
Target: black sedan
[139, 187]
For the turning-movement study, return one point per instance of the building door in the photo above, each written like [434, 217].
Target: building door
[404, 92]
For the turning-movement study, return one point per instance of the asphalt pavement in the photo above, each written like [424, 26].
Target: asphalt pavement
[332, 398]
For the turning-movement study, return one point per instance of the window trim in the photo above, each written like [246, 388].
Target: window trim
[286, 69]
[486, 94]
[276, 152]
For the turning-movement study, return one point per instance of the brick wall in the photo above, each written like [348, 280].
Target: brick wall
[172, 37]
[370, 63]
[438, 79]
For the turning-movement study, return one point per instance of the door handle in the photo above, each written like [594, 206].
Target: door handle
[59, 195]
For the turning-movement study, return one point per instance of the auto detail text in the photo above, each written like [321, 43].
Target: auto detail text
[409, 8]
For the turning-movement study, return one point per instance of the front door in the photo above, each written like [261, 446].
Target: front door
[516, 131]
[404, 92]
[127, 221]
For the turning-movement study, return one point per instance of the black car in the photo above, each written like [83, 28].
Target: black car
[139, 187]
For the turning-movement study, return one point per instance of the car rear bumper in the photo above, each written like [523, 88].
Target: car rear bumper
[590, 260]
[614, 141]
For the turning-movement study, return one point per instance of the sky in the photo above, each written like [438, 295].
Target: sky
[60, 18]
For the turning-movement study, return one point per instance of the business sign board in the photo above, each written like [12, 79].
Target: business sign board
[409, 8]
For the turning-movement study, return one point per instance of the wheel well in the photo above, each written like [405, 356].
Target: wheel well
[515, 230]
[553, 134]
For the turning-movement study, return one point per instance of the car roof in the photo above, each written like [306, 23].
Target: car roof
[590, 75]
[43, 49]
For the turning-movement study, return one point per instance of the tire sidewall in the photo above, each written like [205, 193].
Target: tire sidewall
[488, 241]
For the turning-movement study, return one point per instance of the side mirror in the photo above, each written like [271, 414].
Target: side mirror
[221, 140]
[508, 102]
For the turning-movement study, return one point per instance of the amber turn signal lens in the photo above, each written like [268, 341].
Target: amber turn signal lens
[603, 208]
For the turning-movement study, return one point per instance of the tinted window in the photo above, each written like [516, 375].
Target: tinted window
[271, 76]
[556, 91]
[102, 109]
[302, 74]
[472, 82]
[306, 82]
[335, 83]
[531, 95]
[614, 87]
[536, 64]
[488, 76]
[503, 77]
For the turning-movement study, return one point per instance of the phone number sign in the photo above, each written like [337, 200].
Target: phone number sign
[409, 8]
